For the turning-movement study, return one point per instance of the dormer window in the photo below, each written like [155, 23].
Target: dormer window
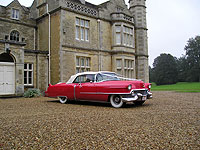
[15, 14]
[14, 36]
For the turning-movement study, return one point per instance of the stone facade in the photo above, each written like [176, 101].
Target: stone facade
[58, 38]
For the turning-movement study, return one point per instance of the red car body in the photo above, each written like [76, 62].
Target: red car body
[102, 86]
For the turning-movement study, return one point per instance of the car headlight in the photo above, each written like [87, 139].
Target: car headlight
[130, 87]
[149, 86]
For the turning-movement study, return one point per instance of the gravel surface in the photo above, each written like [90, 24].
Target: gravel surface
[169, 121]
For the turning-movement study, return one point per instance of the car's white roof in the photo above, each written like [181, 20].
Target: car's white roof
[84, 73]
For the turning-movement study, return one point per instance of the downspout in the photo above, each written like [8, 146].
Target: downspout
[100, 46]
[34, 39]
[49, 43]
[37, 70]
[37, 60]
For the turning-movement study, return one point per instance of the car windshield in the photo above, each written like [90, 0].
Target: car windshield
[106, 77]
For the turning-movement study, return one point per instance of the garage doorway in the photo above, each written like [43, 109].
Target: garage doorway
[7, 74]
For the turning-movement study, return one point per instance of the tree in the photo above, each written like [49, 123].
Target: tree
[151, 74]
[183, 68]
[193, 59]
[165, 69]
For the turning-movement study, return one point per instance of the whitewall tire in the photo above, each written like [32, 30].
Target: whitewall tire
[63, 100]
[116, 101]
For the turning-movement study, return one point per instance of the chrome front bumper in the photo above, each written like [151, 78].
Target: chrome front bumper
[137, 97]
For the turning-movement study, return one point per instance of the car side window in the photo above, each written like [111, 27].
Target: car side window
[84, 78]
[80, 79]
[99, 78]
[89, 78]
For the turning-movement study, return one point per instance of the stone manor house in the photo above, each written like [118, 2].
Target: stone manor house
[54, 39]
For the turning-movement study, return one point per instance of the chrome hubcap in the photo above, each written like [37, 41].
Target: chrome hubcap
[117, 100]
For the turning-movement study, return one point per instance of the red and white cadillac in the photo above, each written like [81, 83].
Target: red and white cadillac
[103, 87]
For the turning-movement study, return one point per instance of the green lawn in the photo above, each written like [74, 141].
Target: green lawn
[179, 87]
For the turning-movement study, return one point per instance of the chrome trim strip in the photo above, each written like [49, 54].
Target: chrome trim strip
[74, 92]
[99, 93]
[138, 89]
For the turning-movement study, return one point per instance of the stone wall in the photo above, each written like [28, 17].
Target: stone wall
[40, 70]
[69, 61]
[25, 32]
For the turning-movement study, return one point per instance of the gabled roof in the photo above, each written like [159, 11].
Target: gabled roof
[26, 9]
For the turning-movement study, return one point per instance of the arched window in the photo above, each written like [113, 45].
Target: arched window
[5, 57]
[14, 36]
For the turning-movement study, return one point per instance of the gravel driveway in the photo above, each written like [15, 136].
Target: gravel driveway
[169, 121]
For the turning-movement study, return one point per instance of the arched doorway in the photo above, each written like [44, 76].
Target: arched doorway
[7, 74]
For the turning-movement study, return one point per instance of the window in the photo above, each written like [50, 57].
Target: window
[15, 13]
[128, 36]
[23, 39]
[6, 37]
[84, 78]
[128, 68]
[118, 34]
[28, 74]
[82, 29]
[82, 64]
[14, 36]
[119, 66]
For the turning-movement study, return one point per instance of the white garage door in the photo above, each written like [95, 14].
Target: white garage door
[7, 78]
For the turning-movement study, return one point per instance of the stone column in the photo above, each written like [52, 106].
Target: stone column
[138, 9]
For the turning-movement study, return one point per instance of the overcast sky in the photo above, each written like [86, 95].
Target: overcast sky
[170, 24]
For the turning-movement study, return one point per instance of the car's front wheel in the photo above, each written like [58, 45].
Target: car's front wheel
[63, 100]
[116, 101]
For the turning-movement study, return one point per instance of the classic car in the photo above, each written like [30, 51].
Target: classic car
[103, 87]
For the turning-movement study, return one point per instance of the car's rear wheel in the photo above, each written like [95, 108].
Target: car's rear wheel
[116, 101]
[139, 103]
[63, 99]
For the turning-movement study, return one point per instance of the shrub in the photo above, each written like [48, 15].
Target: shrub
[32, 93]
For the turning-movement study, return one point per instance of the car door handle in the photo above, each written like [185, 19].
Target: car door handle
[80, 85]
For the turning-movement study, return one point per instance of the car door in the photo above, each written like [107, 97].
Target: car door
[85, 88]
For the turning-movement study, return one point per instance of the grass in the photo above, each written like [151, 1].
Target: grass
[178, 87]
